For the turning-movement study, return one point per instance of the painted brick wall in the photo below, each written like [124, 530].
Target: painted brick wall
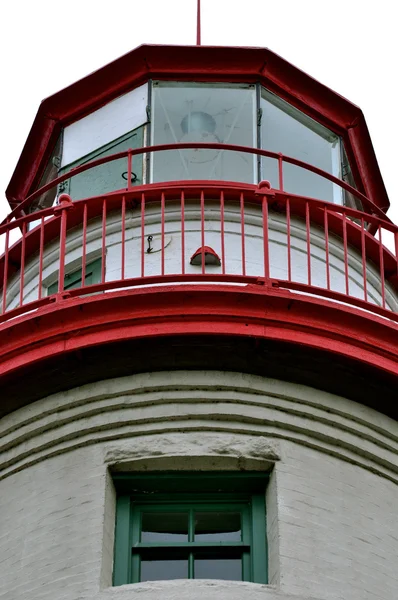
[331, 502]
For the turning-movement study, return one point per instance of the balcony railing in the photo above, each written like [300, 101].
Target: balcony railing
[262, 236]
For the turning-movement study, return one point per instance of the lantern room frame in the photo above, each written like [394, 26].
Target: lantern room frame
[201, 64]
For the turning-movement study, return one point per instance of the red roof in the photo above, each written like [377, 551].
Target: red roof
[198, 63]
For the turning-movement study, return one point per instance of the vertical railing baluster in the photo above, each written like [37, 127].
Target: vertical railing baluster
[123, 240]
[308, 233]
[327, 251]
[266, 237]
[22, 272]
[62, 250]
[182, 232]
[84, 242]
[396, 250]
[382, 275]
[202, 219]
[289, 240]
[103, 250]
[142, 234]
[363, 254]
[280, 171]
[129, 168]
[41, 252]
[242, 221]
[222, 216]
[345, 249]
[5, 273]
[162, 201]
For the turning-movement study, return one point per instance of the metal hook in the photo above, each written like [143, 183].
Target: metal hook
[133, 177]
[149, 249]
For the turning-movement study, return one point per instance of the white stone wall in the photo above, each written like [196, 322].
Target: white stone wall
[254, 250]
[331, 501]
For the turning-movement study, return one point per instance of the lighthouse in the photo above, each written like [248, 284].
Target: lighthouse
[198, 339]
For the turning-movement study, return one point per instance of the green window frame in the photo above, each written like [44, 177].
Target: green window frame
[190, 526]
[73, 280]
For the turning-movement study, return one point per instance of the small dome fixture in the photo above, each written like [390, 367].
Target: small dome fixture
[210, 257]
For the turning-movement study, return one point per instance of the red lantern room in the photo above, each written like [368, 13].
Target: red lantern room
[214, 212]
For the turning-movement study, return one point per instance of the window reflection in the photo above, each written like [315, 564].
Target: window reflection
[202, 113]
[156, 570]
[219, 568]
[217, 527]
[164, 527]
[285, 129]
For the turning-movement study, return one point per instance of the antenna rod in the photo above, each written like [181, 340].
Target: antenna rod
[198, 41]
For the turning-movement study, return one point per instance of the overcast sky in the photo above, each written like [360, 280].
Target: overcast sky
[350, 46]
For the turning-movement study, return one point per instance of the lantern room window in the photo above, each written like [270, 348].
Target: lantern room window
[289, 131]
[165, 112]
[203, 113]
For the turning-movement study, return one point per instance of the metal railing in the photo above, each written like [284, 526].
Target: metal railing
[327, 249]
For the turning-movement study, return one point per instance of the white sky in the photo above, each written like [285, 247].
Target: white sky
[349, 45]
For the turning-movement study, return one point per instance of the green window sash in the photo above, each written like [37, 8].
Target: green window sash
[74, 280]
[196, 533]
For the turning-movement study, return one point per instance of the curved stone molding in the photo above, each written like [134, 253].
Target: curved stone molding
[196, 590]
[128, 416]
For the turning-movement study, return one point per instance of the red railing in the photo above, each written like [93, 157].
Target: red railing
[368, 205]
[263, 236]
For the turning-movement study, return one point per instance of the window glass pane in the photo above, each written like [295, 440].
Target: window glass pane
[164, 527]
[109, 122]
[218, 526]
[202, 113]
[74, 280]
[287, 130]
[109, 176]
[219, 568]
[154, 570]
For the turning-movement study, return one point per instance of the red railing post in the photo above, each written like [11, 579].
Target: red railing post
[129, 168]
[202, 224]
[84, 244]
[242, 223]
[363, 256]
[346, 262]
[123, 240]
[64, 204]
[162, 218]
[142, 234]
[222, 216]
[41, 256]
[382, 275]
[396, 250]
[327, 253]
[5, 273]
[289, 241]
[308, 234]
[182, 233]
[264, 189]
[103, 245]
[280, 171]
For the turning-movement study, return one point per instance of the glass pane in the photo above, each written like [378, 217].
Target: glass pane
[203, 113]
[218, 526]
[164, 527]
[154, 570]
[109, 176]
[299, 181]
[287, 130]
[219, 568]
